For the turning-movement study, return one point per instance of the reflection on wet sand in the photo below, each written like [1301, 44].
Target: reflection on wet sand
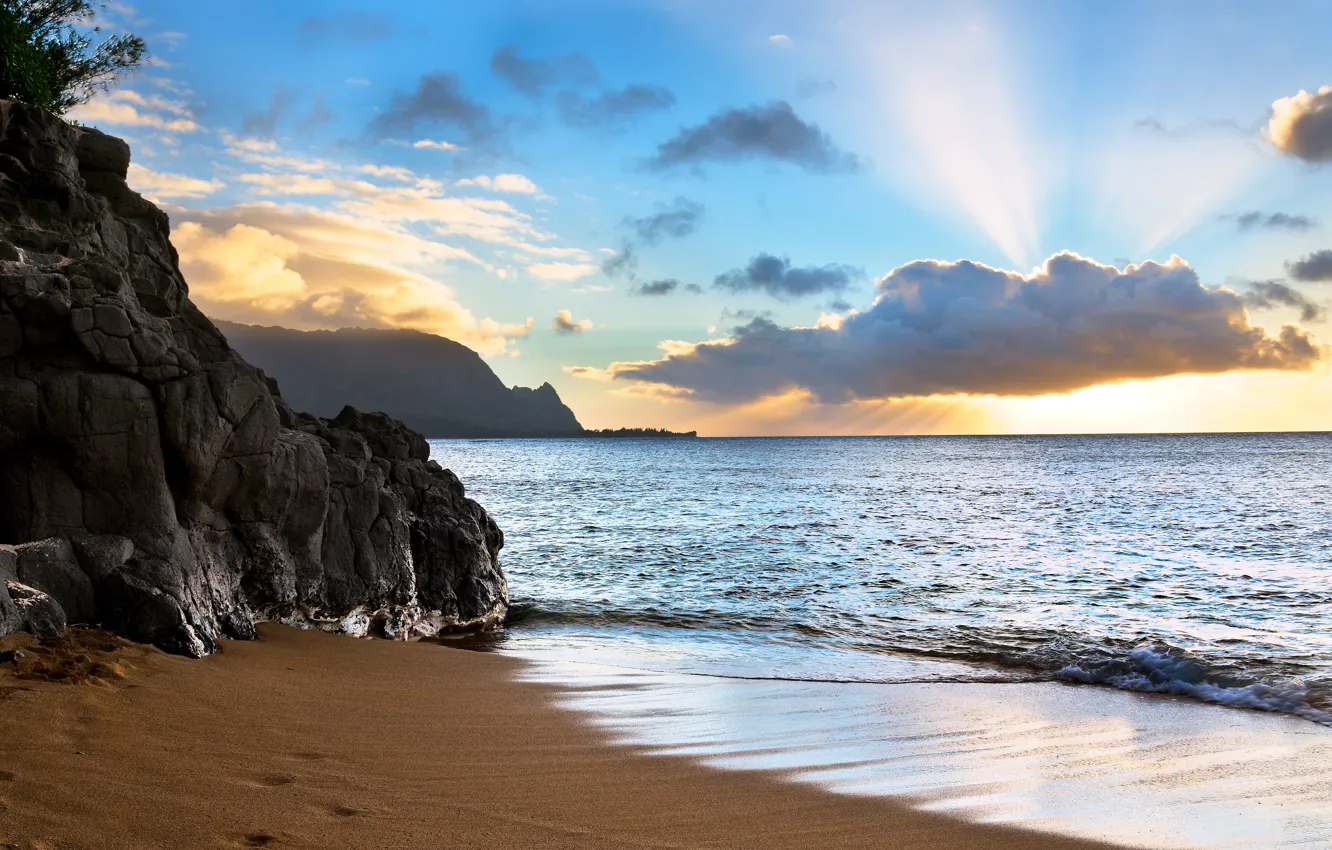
[1085, 761]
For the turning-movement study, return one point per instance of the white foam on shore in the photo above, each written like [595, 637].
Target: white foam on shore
[1145, 771]
[1161, 673]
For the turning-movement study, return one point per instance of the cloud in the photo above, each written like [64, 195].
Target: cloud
[1270, 294]
[1152, 124]
[263, 125]
[665, 286]
[622, 262]
[290, 184]
[357, 81]
[562, 272]
[129, 108]
[574, 72]
[676, 221]
[437, 100]
[812, 87]
[772, 132]
[433, 145]
[656, 287]
[391, 195]
[533, 76]
[319, 116]
[1255, 220]
[1315, 267]
[776, 277]
[349, 28]
[309, 269]
[1301, 125]
[159, 186]
[564, 324]
[611, 107]
[780, 40]
[940, 328]
[552, 251]
[503, 183]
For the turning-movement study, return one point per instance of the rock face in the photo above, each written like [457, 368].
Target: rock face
[155, 483]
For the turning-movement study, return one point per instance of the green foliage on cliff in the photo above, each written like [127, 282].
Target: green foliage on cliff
[48, 57]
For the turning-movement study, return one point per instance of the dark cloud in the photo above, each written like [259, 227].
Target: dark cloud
[676, 221]
[946, 328]
[575, 73]
[611, 107]
[347, 28]
[437, 101]
[1269, 294]
[533, 76]
[1314, 268]
[318, 117]
[656, 287]
[263, 125]
[1256, 220]
[622, 263]
[776, 277]
[772, 132]
[1301, 126]
[666, 286]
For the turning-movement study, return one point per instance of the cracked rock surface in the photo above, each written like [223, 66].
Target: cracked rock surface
[156, 484]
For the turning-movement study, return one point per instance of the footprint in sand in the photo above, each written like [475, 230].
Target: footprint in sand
[6, 776]
[346, 811]
[259, 839]
[277, 780]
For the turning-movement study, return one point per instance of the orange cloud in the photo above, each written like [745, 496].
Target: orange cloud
[307, 269]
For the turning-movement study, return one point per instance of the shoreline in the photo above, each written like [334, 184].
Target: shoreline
[305, 739]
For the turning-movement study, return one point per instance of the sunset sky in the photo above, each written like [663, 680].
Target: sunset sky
[772, 218]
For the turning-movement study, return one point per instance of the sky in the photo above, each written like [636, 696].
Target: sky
[772, 217]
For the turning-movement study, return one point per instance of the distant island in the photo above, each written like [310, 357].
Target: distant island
[658, 433]
[435, 385]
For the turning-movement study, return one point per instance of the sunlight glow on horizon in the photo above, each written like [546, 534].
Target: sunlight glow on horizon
[1229, 402]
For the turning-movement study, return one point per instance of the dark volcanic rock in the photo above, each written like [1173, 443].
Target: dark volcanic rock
[36, 611]
[154, 482]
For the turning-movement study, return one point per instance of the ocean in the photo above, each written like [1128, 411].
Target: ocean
[841, 606]
[1198, 565]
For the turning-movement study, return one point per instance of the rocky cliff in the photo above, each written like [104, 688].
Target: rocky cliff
[152, 481]
[437, 386]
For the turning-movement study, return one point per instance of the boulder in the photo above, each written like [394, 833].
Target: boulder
[37, 612]
[155, 483]
[51, 567]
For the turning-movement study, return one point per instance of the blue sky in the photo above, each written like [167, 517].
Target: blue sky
[286, 141]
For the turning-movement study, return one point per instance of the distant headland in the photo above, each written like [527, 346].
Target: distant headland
[435, 385]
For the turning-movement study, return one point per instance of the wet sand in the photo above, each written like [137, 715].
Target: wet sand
[1080, 760]
[304, 739]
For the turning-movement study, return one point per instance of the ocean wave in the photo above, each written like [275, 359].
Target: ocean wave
[1137, 665]
[1158, 671]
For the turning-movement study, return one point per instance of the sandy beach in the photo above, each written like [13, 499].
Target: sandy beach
[304, 739]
